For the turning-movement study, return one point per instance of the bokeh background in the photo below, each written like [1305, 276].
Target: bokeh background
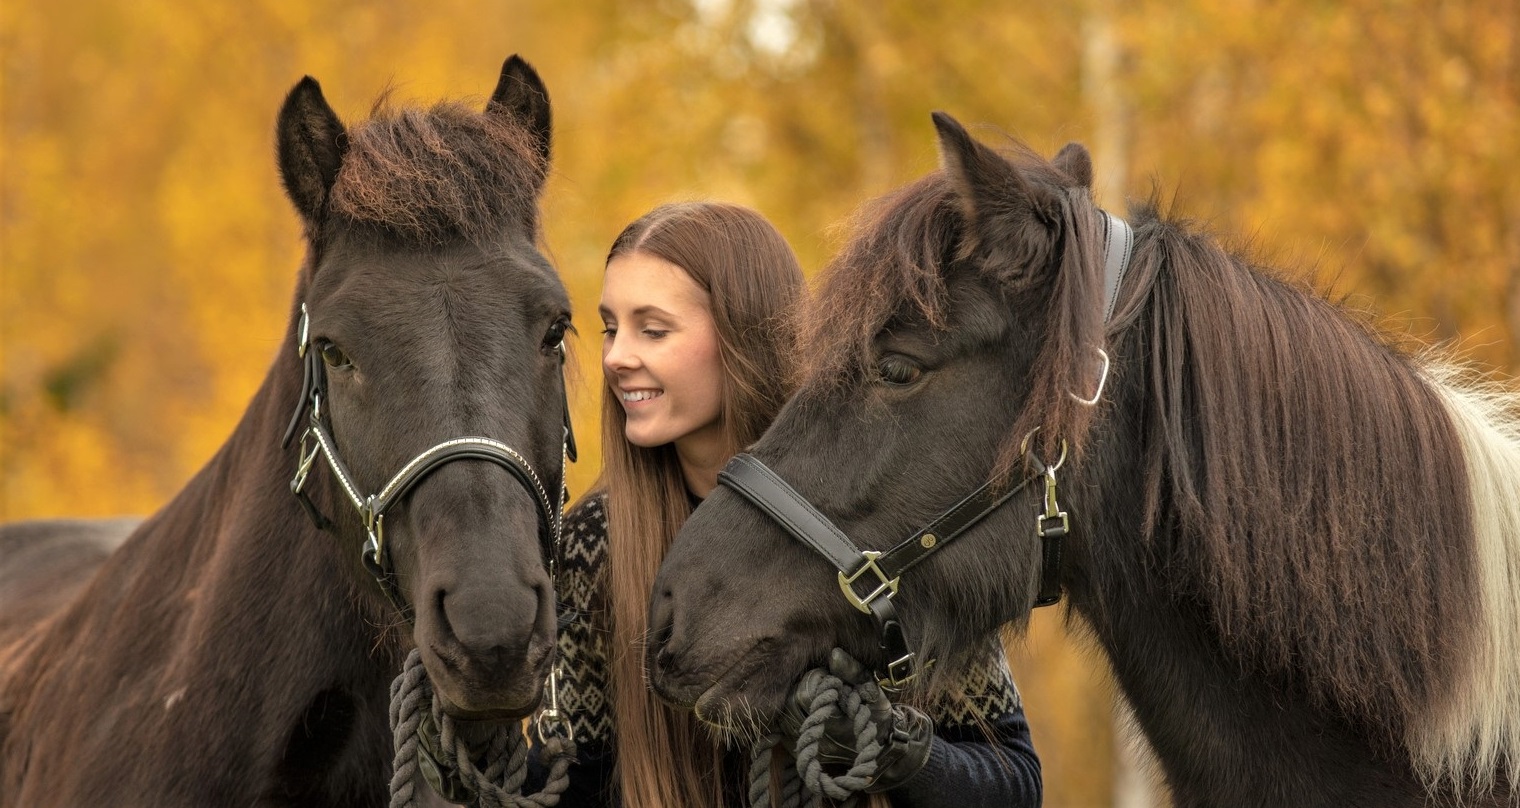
[147, 253]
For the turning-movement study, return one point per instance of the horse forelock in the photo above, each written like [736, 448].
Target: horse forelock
[428, 176]
[1308, 483]
[893, 267]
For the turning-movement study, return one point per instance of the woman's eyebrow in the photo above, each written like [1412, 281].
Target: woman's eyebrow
[641, 311]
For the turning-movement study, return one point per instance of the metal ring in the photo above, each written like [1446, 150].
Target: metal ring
[1024, 450]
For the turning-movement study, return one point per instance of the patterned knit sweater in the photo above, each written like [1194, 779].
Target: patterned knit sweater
[967, 767]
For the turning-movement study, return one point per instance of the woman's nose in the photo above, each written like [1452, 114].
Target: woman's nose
[616, 354]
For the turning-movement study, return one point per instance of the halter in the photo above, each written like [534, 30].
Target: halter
[869, 578]
[318, 440]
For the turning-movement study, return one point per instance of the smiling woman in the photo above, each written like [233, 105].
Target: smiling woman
[662, 357]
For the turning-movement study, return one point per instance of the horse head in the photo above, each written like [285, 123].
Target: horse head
[430, 329]
[949, 342]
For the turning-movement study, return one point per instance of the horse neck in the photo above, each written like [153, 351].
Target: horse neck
[1229, 719]
[223, 622]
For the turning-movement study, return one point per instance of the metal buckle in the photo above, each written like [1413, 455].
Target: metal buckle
[303, 467]
[846, 583]
[899, 673]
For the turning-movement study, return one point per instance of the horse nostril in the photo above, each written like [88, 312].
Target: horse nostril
[442, 613]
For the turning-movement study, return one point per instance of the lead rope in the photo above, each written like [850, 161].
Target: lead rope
[804, 782]
[505, 747]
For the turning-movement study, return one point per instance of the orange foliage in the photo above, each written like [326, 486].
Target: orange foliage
[147, 254]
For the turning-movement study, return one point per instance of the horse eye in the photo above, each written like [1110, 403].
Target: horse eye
[334, 356]
[897, 371]
[556, 334]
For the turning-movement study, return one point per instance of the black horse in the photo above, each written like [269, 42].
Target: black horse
[233, 653]
[1298, 546]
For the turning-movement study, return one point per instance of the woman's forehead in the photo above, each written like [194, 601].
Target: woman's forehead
[638, 283]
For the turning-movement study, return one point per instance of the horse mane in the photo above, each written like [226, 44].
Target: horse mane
[1308, 483]
[427, 176]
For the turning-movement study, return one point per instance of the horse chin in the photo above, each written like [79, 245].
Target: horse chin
[497, 707]
[469, 700]
[743, 699]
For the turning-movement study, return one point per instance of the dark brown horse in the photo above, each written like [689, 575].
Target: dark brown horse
[232, 653]
[1298, 546]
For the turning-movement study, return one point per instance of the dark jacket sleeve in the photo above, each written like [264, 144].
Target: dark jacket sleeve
[982, 754]
[582, 662]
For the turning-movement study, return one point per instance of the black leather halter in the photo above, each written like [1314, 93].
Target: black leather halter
[869, 578]
[318, 440]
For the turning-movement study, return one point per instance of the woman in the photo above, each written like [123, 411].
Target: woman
[697, 361]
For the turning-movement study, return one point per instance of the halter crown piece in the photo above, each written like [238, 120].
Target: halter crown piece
[869, 579]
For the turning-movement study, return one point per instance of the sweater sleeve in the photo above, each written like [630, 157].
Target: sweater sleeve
[981, 754]
[583, 660]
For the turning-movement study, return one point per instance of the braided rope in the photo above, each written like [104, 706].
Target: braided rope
[415, 710]
[805, 781]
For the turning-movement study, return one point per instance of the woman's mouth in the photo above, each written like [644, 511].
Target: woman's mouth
[636, 396]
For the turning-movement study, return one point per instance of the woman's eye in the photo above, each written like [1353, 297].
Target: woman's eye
[898, 371]
[655, 333]
[334, 356]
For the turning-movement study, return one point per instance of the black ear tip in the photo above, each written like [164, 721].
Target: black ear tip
[948, 126]
[517, 66]
[306, 86]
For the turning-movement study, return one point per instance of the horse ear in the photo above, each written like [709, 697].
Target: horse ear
[311, 143]
[1075, 162]
[987, 184]
[521, 96]
[1011, 220]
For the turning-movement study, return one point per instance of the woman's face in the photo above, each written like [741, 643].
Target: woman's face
[660, 353]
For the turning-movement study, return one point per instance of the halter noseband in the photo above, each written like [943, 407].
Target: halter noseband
[318, 440]
[869, 578]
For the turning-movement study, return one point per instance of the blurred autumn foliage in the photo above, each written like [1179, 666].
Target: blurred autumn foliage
[1369, 146]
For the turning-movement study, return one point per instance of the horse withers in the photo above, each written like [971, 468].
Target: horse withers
[238, 650]
[1297, 545]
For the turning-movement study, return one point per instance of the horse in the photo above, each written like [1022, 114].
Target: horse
[239, 646]
[1293, 534]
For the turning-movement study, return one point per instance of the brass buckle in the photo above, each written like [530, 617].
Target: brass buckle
[899, 673]
[846, 583]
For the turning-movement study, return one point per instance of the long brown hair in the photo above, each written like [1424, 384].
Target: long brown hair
[753, 280]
